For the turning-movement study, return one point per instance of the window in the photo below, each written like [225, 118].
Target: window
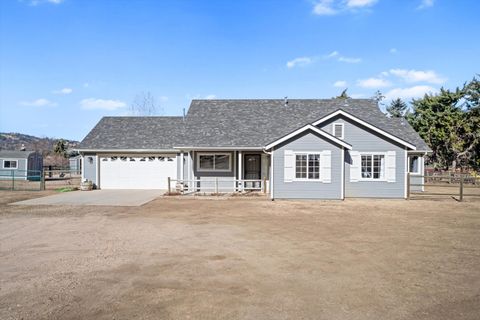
[338, 130]
[307, 166]
[10, 164]
[414, 164]
[214, 162]
[373, 166]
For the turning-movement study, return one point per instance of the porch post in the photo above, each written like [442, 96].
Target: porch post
[240, 170]
[181, 165]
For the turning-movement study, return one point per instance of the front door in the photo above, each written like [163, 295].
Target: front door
[252, 170]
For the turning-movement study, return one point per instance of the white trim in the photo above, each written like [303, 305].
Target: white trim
[128, 150]
[11, 159]
[307, 153]
[366, 124]
[271, 175]
[342, 177]
[214, 154]
[419, 169]
[97, 172]
[219, 148]
[343, 129]
[82, 166]
[374, 153]
[182, 165]
[406, 174]
[314, 129]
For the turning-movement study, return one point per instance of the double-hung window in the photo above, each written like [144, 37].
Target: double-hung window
[214, 162]
[307, 166]
[373, 166]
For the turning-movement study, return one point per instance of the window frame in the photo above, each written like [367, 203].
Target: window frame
[10, 160]
[419, 171]
[308, 154]
[229, 155]
[343, 129]
[383, 174]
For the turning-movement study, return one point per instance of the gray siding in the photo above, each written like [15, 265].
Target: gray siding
[90, 169]
[365, 140]
[307, 189]
[207, 179]
[19, 173]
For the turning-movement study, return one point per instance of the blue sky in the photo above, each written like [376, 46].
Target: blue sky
[66, 63]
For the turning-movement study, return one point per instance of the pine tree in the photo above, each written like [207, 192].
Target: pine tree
[397, 108]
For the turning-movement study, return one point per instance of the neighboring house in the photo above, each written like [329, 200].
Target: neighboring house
[305, 149]
[20, 165]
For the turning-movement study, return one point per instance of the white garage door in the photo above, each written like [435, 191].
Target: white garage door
[137, 172]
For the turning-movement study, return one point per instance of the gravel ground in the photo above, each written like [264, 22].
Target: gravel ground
[241, 259]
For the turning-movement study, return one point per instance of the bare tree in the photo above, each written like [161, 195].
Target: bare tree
[144, 104]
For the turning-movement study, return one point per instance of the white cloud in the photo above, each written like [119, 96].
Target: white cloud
[340, 84]
[93, 103]
[210, 97]
[336, 54]
[63, 91]
[409, 93]
[349, 60]
[331, 55]
[426, 4]
[86, 85]
[163, 98]
[299, 62]
[333, 7]
[37, 2]
[38, 103]
[393, 50]
[373, 83]
[324, 8]
[411, 76]
[357, 95]
[360, 3]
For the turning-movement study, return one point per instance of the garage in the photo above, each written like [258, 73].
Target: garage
[137, 172]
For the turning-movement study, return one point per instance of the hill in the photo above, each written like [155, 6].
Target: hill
[14, 141]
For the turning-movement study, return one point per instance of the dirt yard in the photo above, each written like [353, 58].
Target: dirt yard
[241, 259]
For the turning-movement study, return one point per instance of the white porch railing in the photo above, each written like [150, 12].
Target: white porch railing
[216, 185]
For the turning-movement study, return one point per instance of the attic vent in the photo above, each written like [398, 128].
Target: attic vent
[338, 130]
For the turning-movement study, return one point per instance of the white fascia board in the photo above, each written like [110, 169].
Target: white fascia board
[128, 150]
[314, 129]
[219, 148]
[366, 124]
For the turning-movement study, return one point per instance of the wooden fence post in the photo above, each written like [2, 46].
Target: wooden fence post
[42, 180]
[408, 185]
[169, 185]
[461, 188]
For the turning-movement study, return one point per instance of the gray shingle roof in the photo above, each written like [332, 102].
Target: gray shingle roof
[121, 133]
[13, 154]
[235, 123]
[246, 123]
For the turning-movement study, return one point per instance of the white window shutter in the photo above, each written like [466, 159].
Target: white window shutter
[390, 169]
[326, 166]
[355, 167]
[289, 166]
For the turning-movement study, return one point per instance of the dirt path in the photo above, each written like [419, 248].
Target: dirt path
[242, 259]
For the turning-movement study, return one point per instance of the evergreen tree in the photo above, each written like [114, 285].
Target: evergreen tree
[397, 108]
[343, 95]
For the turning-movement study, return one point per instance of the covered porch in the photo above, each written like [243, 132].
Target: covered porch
[215, 171]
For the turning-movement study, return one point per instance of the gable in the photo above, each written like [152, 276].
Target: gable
[367, 129]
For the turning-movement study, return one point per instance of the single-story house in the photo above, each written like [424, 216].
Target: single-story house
[22, 165]
[297, 149]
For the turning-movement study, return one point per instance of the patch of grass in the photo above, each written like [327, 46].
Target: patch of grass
[66, 189]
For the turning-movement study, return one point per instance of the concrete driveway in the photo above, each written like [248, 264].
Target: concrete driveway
[128, 198]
